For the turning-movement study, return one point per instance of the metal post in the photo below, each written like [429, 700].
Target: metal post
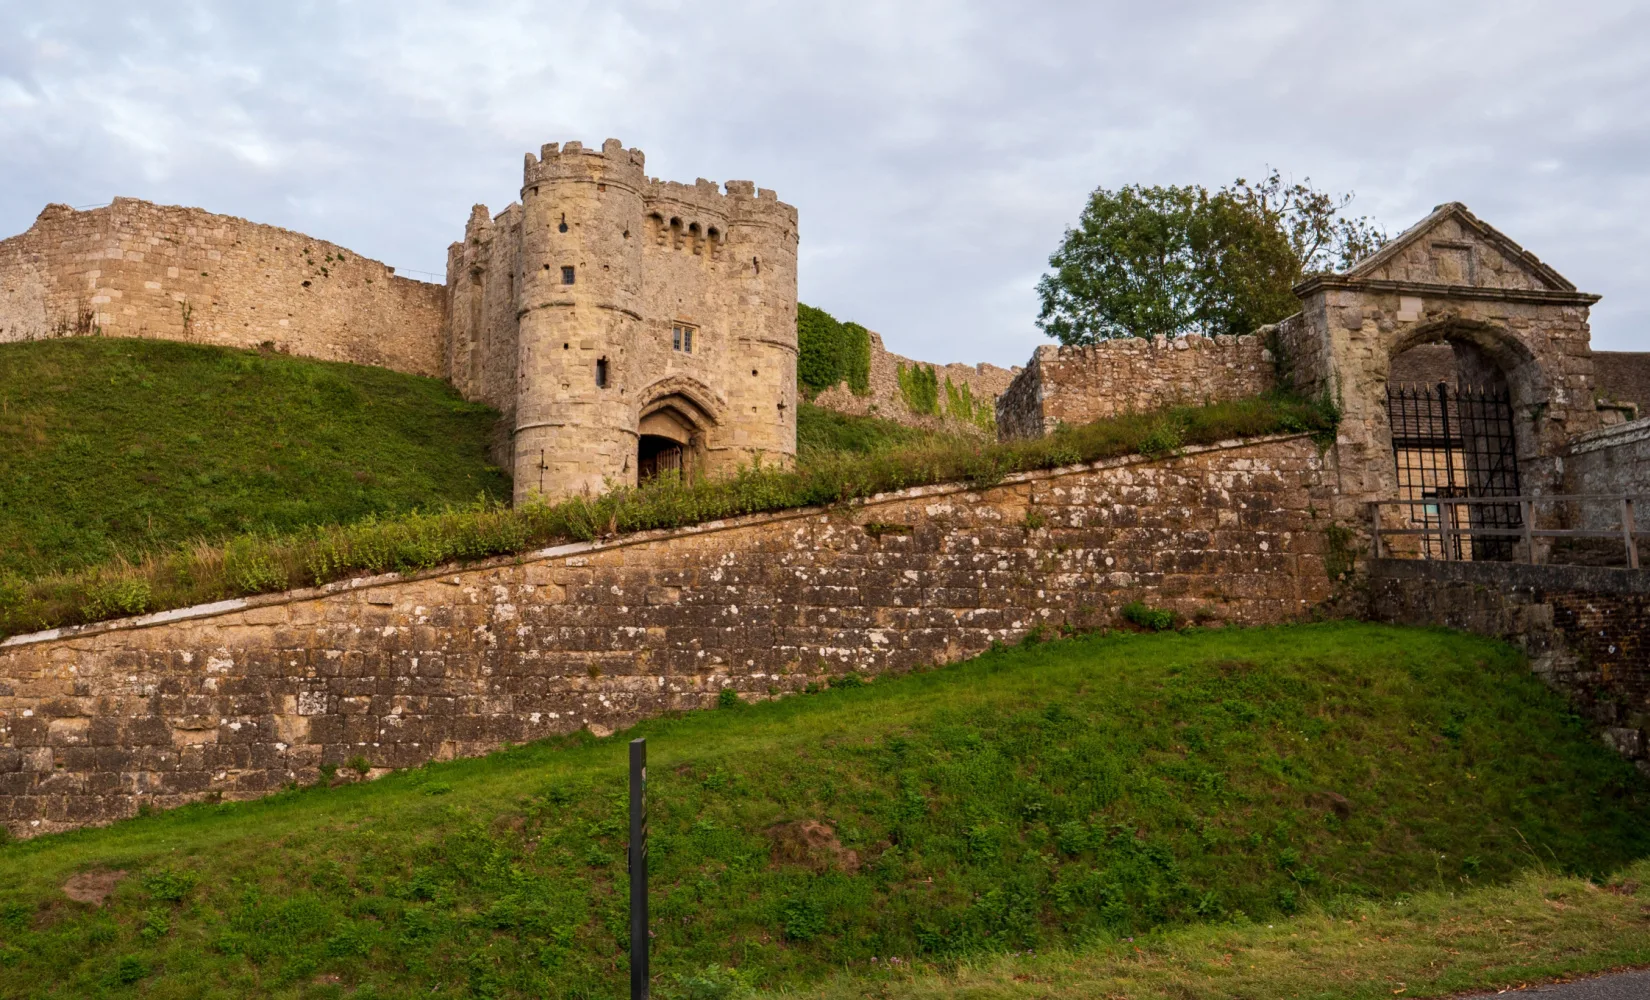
[1447, 525]
[1449, 443]
[638, 871]
[1375, 528]
[1529, 524]
[1627, 530]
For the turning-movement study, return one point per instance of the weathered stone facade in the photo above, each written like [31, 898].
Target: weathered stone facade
[1077, 385]
[621, 322]
[240, 698]
[985, 383]
[623, 325]
[1453, 279]
[1585, 629]
[135, 269]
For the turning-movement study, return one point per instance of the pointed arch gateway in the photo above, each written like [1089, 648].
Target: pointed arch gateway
[674, 428]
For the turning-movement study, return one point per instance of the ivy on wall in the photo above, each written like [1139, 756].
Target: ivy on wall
[921, 388]
[961, 405]
[831, 351]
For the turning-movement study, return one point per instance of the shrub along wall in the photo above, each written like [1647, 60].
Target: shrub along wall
[239, 698]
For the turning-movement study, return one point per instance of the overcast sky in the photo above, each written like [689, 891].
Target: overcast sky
[936, 151]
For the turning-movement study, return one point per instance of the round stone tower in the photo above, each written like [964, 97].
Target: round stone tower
[578, 302]
[762, 242]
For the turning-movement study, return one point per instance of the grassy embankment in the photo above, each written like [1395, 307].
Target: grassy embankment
[302, 533]
[1196, 792]
[113, 448]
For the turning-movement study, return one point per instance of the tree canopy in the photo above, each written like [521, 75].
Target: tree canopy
[1164, 261]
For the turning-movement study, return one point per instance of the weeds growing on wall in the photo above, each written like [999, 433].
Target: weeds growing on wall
[961, 405]
[821, 431]
[264, 562]
[830, 351]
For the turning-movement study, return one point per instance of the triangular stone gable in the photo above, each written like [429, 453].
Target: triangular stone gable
[1452, 246]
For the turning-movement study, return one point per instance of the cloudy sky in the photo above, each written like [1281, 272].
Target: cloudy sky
[936, 151]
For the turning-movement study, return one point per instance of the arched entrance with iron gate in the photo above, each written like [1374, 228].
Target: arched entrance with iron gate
[674, 428]
[1450, 410]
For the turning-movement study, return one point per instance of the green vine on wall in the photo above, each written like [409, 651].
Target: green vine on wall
[830, 351]
[920, 387]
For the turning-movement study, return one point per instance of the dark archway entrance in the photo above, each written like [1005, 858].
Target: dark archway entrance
[658, 456]
[1451, 414]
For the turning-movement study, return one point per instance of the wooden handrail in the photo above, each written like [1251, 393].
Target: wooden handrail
[1449, 530]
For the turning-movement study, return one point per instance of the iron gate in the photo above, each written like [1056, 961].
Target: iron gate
[1456, 441]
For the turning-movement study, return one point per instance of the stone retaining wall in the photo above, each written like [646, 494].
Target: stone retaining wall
[238, 699]
[1078, 385]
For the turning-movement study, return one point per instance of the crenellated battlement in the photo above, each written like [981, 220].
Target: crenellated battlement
[628, 325]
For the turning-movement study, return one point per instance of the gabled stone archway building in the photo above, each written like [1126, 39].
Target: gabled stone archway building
[1451, 278]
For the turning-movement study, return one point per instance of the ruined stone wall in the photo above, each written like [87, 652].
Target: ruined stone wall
[1078, 385]
[1585, 629]
[985, 383]
[136, 269]
[237, 699]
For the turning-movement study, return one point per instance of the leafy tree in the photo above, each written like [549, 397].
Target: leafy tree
[1162, 261]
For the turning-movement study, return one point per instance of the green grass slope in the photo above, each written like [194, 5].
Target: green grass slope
[1069, 793]
[843, 459]
[111, 447]
[821, 432]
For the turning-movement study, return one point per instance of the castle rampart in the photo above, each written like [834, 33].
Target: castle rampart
[239, 699]
[1077, 385]
[985, 382]
[136, 269]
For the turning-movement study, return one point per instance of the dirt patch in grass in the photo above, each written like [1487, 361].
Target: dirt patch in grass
[94, 886]
[812, 844]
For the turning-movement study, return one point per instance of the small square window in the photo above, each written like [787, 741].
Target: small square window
[601, 373]
[681, 338]
[567, 275]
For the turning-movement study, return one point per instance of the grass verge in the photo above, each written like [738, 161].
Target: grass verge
[265, 562]
[1542, 927]
[1064, 795]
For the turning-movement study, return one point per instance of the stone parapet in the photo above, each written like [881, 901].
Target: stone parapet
[1078, 385]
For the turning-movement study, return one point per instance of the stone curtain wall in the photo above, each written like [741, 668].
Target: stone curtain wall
[1586, 629]
[1077, 385]
[136, 269]
[239, 699]
[1614, 461]
[985, 383]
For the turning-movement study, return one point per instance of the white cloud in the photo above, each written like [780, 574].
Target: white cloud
[935, 149]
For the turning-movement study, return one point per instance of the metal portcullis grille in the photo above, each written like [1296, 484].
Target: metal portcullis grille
[1456, 441]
